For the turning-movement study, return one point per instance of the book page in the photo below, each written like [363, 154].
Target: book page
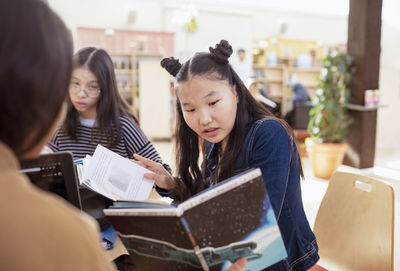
[117, 177]
[80, 165]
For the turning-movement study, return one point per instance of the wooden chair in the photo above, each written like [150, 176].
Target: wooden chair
[355, 224]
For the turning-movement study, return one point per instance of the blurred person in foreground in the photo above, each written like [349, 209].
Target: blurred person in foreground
[40, 231]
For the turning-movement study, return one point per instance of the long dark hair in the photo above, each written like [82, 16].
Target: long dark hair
[35, 71]
[111, 106]
[212, 65]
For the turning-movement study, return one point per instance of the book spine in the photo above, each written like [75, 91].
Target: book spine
[195, 246]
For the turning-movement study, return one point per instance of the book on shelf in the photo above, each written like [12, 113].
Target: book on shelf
[113, 176]
[209, 231]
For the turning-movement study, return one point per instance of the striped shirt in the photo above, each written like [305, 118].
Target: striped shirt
[132, 140]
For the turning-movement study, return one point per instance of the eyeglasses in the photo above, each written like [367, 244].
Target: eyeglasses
[91, 91]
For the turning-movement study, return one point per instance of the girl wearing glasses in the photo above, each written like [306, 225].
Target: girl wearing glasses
[98, 115]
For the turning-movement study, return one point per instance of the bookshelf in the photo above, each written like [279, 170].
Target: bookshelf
[127, 67]
[146, 87]
[274, 80]
[280, 59]
[289, 52]
[125, 72]
[307, 77]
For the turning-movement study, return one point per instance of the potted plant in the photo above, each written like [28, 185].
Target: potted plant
[329, 121]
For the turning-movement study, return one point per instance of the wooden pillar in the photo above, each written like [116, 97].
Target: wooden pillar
[363, 44]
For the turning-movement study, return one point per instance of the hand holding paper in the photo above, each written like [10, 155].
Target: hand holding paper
[159, 174]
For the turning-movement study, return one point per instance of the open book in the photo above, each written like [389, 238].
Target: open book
[113, 176]
[209, 231]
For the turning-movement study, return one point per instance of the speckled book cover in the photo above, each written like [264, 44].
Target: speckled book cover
[210, 231]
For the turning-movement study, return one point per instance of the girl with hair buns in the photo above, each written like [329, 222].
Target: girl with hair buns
[238, 133]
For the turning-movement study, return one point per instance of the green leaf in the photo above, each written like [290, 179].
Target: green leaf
[328, 117]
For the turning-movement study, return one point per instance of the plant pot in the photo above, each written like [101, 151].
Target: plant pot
[325, 157]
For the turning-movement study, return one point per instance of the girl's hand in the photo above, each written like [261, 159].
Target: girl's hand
[238, 265]
[160, 175]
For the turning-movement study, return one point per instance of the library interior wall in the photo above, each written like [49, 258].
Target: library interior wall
[252, 24]
[213, 26]
[388, 125]
[152, 16]
[327, 29]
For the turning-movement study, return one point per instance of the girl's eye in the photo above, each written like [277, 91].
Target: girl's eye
[189, 110]
[75, 85]
[92, 87]
[214, 102]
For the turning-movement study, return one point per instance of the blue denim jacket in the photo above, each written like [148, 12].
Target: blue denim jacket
[267, 147]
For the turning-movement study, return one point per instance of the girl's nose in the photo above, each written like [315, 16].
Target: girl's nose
[205, 117]
[82, 93]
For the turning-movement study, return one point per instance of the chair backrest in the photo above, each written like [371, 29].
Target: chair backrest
[355, 223]
[301, 115]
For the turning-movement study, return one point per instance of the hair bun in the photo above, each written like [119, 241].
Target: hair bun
[221, 52]
[171, 64]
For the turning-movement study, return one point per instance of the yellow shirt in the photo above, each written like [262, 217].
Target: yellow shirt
[40, 231]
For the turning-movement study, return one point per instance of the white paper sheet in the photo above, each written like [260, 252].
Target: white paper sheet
[117, 177]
